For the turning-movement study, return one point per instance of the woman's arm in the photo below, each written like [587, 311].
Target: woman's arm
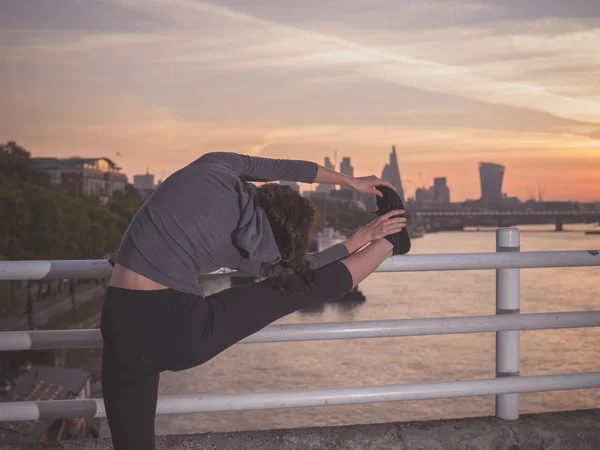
[339, 251]
[253, 168]
[377, 229]
[365, 185]
[328, 176]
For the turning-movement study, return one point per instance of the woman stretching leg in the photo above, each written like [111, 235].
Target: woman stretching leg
[206, 216]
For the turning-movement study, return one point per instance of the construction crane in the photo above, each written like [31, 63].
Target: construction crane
[541, 192]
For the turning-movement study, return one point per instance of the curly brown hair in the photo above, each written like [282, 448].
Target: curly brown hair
[294, 221]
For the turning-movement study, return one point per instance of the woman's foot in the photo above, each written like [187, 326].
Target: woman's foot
[389, 201]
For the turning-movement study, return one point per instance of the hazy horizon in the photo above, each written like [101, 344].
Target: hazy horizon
[450, 83]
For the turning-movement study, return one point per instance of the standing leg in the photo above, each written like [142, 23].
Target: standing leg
[204, 328]
[130, 409]
[131, 326]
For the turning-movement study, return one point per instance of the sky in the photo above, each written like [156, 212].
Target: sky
[154, 84]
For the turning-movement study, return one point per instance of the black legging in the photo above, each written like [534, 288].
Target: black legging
[147, 332]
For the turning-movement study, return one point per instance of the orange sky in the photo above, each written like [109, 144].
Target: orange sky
[449, 82]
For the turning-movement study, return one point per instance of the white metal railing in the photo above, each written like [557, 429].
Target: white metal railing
[508, 213]
[42, 270]
[507, 324]
[325, 331]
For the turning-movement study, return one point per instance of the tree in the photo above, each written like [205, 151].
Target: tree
[46, 233]
[40, 222]
[14, 225]
[16, 167]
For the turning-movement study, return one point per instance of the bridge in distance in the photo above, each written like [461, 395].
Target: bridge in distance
[459, 219]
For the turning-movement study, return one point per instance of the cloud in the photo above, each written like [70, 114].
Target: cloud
[466, 80]
[276, 45]
[524, 71]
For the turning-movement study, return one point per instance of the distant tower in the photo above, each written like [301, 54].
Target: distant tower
[144, 182]
[441, 191]
[391, 173]
[491, 176]
[326, 188]
[328, 164]
[346, 168]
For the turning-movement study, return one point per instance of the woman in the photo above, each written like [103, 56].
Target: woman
[205, 217]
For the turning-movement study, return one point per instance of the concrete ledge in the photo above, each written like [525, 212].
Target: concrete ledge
[571, 430]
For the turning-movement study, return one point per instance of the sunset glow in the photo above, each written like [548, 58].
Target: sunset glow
[450, 83]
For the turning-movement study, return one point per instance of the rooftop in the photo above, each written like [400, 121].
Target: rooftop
[55, 163]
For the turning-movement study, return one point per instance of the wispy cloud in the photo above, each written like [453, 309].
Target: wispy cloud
[285, 46]
[222, 38]
[469, 79]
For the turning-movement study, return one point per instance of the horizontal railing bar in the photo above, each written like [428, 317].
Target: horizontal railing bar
[423, 327]
[492, 260]
[507, 213]
[55, 339]
[38, 270]
[182, 404]
[43, 270]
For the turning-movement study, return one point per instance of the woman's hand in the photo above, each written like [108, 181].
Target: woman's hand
[366, 185]
[385, 225]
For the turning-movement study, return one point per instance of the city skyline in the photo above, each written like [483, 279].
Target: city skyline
[391, 172]
[450, 83]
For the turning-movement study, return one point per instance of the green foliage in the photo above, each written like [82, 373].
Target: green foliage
[16, 169]
[37, 221]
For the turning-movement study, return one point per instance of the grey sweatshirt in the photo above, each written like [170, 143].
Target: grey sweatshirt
[207, 216]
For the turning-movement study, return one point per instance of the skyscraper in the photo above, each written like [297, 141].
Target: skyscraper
[438, 194]
[346, 169]
[491, 176]
[441, 191]
[391, 173]
[326, 188]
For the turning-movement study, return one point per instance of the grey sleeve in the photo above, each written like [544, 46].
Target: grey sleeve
[327, 256]
[252, 168]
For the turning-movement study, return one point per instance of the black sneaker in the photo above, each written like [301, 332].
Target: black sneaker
[388, 202]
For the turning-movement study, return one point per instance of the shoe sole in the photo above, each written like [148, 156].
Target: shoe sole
[392, 201]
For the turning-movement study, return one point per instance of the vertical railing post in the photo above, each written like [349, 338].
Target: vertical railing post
[508, 286]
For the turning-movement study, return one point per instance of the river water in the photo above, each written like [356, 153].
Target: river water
[306, 365]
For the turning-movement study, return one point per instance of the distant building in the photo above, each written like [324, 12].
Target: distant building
[84, 176]
[391, 173]
[346, 168]
[438, 194]
[424, 195]
[325, 189]
[441, 191]
[291, 184]
[144, 183]
[491, 176]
